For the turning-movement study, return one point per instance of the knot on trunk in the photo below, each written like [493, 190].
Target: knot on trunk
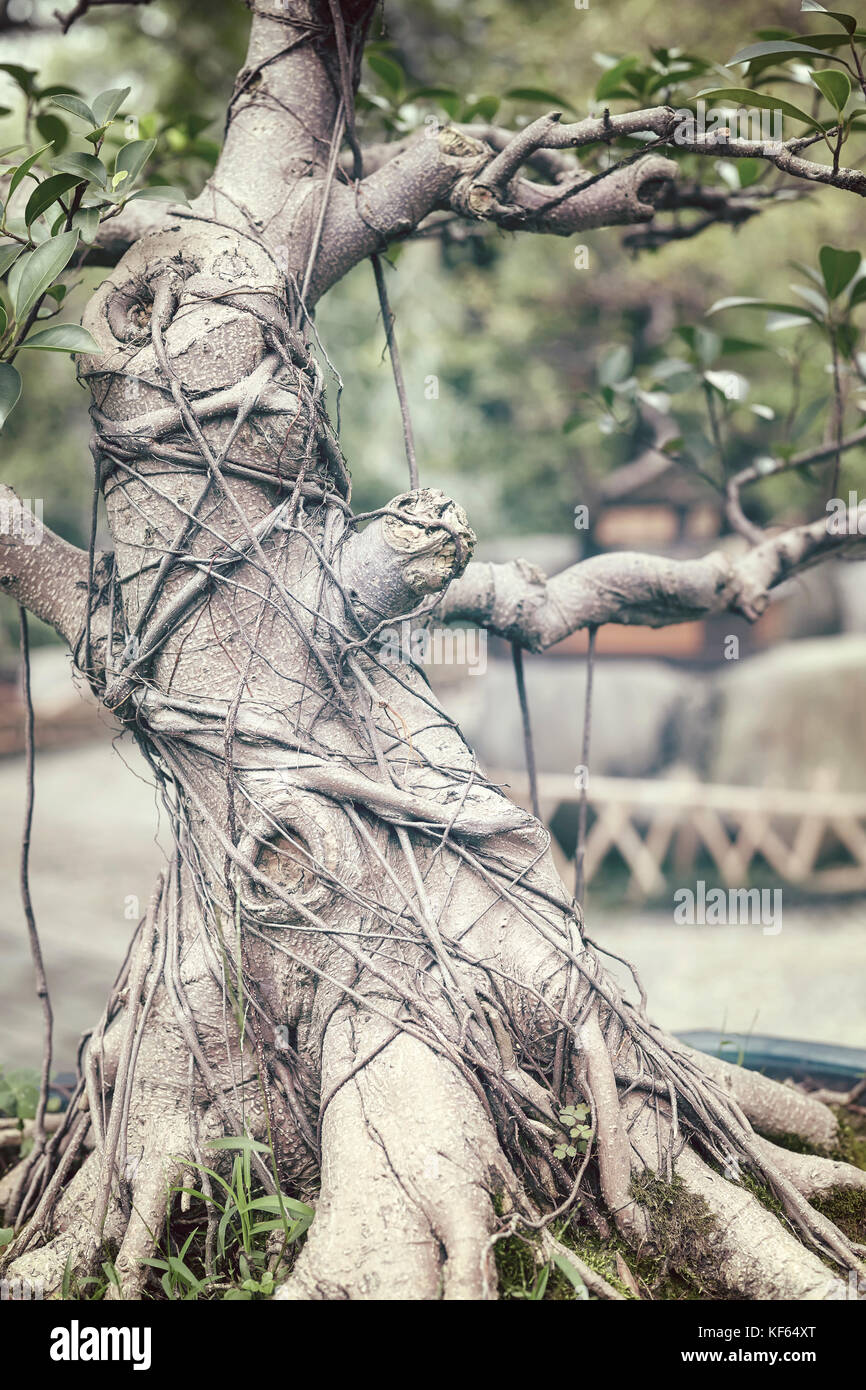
[412, 548]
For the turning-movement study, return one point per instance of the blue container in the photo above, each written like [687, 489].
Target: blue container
[826, 1064]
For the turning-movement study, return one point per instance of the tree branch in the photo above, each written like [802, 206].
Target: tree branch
[41, 570]
[519, 603]
[757, 472]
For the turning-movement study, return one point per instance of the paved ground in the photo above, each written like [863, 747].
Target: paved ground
[95, 848]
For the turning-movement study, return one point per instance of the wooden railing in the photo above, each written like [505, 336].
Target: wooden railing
[815, 839]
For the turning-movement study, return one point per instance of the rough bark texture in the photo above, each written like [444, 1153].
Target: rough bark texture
[359, 949]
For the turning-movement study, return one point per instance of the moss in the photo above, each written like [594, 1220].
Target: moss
[762, 1192]
[684, 1261]
[795, 1143]
[846, 1209]
[600, 1255]
[852, 1138]
[680, 1265]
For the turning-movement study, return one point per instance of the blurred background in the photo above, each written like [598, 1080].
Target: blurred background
[539, 371]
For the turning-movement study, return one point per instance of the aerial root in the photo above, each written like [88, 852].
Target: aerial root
[597, 1079]
[770, 1106]
[160, 1167]
[65, 1235]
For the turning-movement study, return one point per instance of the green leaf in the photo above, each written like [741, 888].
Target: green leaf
[565, 1267]
[62, 337]
[24, 169]
[793, 318]
[835, 86]
[776, 49]
[86, 221]
[848, 22]
[615, 366]
[107, 104]
[10, 390]
[485, 107]
[443, 94]
[38, 269]
[161, 192]
[390, 72]
[132, 158]
[814, 298]
[67, 102]
[52, 129]
[86, 166]
[858, 293]
[46, 193]
[745, 302]
[238, 1141]
[838, 268]
[610, 80]
[23, 77]
[539, 94]
[738, 345]
[23, 1083]
[278, 1203]
[7, 1235]
[749, 170]
[744, 96]
[9, 254]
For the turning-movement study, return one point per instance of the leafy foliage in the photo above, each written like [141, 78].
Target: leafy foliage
[43, 246]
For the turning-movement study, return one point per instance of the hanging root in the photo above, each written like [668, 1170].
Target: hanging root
[771, 1107]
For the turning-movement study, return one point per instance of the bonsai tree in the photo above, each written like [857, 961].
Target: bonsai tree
[359, 970]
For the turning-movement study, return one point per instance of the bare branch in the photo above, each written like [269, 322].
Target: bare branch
[40, 570]
[668, 127]
[519, 603]
[82, 7]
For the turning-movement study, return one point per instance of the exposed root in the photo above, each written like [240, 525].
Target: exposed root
[770, 1106]
[753, 1254]
[811, 1174]
[160, 1168]
[614, 1160]
[409, 1159]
